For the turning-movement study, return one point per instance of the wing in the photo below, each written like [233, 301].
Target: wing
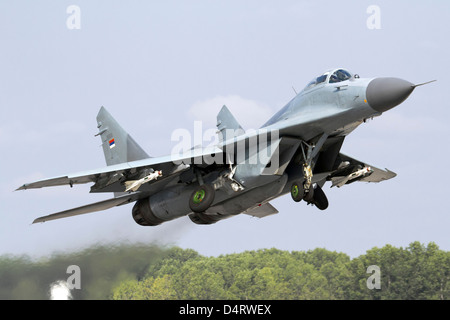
[350, 170]
[113, 178]
[129, 168]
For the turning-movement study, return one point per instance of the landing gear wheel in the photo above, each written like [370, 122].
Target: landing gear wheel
[297, 192]
[320, 199]
[309, 196]
[202, 198]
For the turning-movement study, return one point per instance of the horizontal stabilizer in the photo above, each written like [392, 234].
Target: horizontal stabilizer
[93, 207]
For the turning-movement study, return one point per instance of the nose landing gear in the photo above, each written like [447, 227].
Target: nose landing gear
[319, 198]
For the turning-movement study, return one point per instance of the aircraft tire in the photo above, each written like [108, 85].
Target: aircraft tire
[320, 199]
[297, 192]
[202, 198]
[309, 196]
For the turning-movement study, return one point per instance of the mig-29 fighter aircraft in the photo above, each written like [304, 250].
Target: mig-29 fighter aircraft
[296, 152]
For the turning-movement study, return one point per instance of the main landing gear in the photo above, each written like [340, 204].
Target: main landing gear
[315, 196]
[202, 198]
[304, 190]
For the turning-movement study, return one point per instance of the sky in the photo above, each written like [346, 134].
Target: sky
[158, 66]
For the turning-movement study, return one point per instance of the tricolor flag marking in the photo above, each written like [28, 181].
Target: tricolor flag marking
[112, 143]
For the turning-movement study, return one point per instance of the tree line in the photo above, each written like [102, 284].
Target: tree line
[414, 272]
[150, 272]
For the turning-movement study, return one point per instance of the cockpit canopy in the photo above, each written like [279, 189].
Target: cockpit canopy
[331, 76]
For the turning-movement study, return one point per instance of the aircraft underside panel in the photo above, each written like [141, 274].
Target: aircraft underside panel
[242, 203]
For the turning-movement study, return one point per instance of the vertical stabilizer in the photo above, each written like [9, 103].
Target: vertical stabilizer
[118, 145]
[227, 125]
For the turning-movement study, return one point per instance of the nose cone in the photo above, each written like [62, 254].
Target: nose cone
[385, 93]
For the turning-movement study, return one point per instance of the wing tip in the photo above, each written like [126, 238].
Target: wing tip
[38, 220]
[391, 173]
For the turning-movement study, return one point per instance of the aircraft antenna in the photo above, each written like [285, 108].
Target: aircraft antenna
[422, 84]
[294, 90]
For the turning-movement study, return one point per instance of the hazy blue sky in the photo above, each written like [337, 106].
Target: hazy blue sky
[160, 65]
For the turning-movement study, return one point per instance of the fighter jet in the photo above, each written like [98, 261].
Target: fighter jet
[296, 151]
